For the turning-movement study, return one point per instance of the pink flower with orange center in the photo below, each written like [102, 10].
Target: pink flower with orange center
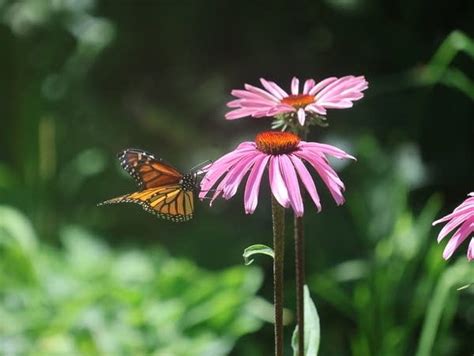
[462, 218]
[315, 98]
[285, 156]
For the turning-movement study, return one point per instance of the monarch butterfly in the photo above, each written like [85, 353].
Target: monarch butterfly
[164, 191]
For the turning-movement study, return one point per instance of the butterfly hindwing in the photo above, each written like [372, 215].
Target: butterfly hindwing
[169, 202]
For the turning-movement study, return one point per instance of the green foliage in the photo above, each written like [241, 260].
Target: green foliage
[402, 285]
[255, 250]
[439, 69]
[312, 332]
[87, 298]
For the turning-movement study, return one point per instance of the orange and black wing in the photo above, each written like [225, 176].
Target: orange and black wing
[169, 202]
[148, 171]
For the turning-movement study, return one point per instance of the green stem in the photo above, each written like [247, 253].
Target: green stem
[278, 217]
[300, 280]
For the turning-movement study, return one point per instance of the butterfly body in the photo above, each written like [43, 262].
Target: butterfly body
[164, 191]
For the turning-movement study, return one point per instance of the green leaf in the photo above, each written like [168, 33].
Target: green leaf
[257, 249]
[311, 328]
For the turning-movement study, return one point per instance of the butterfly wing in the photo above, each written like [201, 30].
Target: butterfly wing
[148, 171]
[170, 202]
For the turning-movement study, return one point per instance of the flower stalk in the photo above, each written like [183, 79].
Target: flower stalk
[278, 218]
[300, 280]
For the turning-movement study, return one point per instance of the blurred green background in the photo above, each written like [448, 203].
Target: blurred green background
[83, 79]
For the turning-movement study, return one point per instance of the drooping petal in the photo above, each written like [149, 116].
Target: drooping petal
[301, 116]
[280, 109]
[236, 177]
[462, 219]
[321, 161]
[295, 86]
[252, 186]
[223, 165]
[462, 210]
[227, 160]
[327, 149]
[470, 250]
[277, 183]
[458, 238]
[333, 183]
[233, 171]
[452, 224]
[307, 180]
[316, 108]
[291, 180]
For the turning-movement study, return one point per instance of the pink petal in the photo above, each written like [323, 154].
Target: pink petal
[323, 164]
[280, 109]
[292, 184]
[327, 149]
[469, 202]
[342, 92]
[222, 166]
[332, 182]
[451, 225]
[277, 183]
[301, 116]
[238, 113]
[308, 84]
[252, 103]
[315, 89]
[307, 180]
[470, 250]
[342, 104]
[274, 89]
[253, 184]
[234, 103]
[316, 108]
[245, 94]
[233, 171]
[460, 210]
[295, 86]
[239, 172]
[334, 87]
[460, 235]
[261, 92]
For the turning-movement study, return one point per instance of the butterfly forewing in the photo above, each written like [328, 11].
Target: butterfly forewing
[148, 171]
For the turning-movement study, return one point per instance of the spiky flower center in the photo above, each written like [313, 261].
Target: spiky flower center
[298, 101]
[276, 142]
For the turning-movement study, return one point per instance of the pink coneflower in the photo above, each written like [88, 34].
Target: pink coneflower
[284, 154]
[330, 93]
[462, 217]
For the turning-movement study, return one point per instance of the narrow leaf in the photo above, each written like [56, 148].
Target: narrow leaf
[464, 286]
[256, 249]
[311, 328]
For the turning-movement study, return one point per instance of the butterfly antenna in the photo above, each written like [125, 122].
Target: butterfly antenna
[206, 198]
[199, 168]
[207, 191]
